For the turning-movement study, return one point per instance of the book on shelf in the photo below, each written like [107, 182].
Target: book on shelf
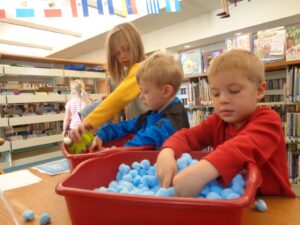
[269, 44]
[241, 41]
[208, 56]
[293, 43]
[191, 62]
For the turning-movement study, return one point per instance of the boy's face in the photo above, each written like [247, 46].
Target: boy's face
[235, 96]
[123, 54]
[152, 96]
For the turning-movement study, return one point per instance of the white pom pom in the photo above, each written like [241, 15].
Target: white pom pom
[67, 141]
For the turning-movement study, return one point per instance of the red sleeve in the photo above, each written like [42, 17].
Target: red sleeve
[193, 139]
[255, 142]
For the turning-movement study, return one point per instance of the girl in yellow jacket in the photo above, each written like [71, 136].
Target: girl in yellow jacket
[125, 51]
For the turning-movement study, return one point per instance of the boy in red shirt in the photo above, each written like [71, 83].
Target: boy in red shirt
[238, 131]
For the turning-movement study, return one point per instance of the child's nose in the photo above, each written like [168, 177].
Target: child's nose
[224, 98]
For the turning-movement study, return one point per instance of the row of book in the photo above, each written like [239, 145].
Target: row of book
[276, 44]
[293, 84]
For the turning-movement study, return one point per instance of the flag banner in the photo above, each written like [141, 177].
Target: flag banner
[85, 8]
[52, 8]
[173, 5]
[2, 13]
[131, 7]
[73, 8]
[105, 7]
[153, 6]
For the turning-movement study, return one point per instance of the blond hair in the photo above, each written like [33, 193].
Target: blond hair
[78, 90]
[123, 32]
[161, 68]
[246, 62]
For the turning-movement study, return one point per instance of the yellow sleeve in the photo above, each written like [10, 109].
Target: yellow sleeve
[116, 101]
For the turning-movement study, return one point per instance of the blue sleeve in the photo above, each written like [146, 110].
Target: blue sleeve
[154, 135]
[118, 130]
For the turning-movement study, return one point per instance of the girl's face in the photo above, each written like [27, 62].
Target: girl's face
[235, 96]
[123, 53]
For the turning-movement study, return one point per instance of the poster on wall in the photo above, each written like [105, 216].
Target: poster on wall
[208, 56]
[191, 62]
[293, 43]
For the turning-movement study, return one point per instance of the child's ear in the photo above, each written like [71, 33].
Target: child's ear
[261, 90]
[168, 91]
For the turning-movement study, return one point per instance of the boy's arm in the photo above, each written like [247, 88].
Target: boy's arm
[155, 134]
[190, 181]
[114, 131]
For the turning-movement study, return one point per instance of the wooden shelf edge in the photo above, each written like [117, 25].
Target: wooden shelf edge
[49, 60]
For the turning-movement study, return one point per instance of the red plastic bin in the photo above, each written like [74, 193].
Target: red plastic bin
[87, 206]
[111, 147]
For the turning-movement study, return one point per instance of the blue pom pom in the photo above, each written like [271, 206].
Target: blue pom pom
[45, 218]
[124, 169]
[145, 164]
[261, 205]
[28, 215]
[162, 192]
[232, 195]
[213, 195]
[136, 166]
[182, 163]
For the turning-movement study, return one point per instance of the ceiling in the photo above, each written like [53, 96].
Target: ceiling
[71, 37]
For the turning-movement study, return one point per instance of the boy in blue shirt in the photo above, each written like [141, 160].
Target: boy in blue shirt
[159, 78]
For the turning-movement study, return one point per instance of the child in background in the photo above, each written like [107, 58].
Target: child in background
[125, 51]
[238, 131]
[78, 100]
[159, 78]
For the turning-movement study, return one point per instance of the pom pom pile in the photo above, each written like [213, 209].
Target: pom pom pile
[140, 179]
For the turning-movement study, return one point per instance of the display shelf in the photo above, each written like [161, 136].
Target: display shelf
[36, 84]
[15, 121]
[5, 147]
[36, 141]
[97, 96]
[3, 122]
[84, 74]
[30, 71]
[2, 100]
[13, 99]
[33, 156]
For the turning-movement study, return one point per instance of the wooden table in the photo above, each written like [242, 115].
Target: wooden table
[41, 197]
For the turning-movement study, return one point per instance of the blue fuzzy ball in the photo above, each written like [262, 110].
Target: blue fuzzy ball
[45, 218]
[261, 205]
[28, 215]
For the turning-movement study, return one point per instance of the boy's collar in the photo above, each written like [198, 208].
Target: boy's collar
[172, 101]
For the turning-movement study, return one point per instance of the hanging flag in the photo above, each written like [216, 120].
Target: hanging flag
[73, 8]
[105, 7]
[52, 8]
[2, 13]
[85, 8]
[120, 8]
[173, 6]
[153, 6]
[25, 8]
[131, 7]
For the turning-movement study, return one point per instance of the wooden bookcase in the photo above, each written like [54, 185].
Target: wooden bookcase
[17, 72]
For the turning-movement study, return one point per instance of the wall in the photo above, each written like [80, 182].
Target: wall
[209, 28]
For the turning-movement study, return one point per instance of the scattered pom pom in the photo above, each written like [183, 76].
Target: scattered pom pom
[28, 215]
[67, 141]
[45, 218]
[261, 205]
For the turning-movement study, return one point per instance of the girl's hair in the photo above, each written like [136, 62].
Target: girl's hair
[244, 61]
[78, 90]
[161, 68]
[124, 32]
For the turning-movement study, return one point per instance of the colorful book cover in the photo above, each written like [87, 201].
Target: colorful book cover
[208, 56]
[293, 43]
[269, 44]
[242, 41]
[191, 62]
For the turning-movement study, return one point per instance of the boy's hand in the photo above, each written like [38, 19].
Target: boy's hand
[97, 143]
[190, 181]
[76, 133]
[166, 167]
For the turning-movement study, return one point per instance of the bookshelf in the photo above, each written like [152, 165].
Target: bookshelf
[33, 94]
